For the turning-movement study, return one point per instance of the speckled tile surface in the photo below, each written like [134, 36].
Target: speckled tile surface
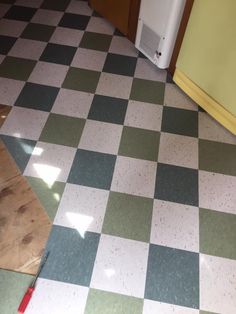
[139, 181]
[173, 276]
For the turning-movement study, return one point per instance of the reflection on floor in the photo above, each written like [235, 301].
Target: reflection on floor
[25, 226]
[140, 182]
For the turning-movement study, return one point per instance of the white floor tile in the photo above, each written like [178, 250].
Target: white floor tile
[145, 69]
[79, 7]
[24, 123]
[120, 266]
[9, 90]
[143, 115]
[11, 27]
[134, 176]
[100, 25]
[217, 284]
[175, 97]
[123, 46]
[178, 150]
[175, 225]
[67, 36]
[47, 17]
[50, 162]
[48, 74]
[27, 48]
[72, 103]
[217, 192]
[56, 297]
[114, 85]
[101, 137]
[89, 59]
[210, 129]
[154, 307]
[82, 208]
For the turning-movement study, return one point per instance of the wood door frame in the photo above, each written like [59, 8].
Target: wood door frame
[180, 35]
[133, 19]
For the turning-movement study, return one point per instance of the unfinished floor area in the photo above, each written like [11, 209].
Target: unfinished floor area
[139, 182]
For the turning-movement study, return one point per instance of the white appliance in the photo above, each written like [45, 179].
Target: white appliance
[158, 26]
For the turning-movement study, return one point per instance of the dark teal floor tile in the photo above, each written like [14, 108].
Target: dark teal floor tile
[36, 96]
[74, 21]
[59, 54]
[180, 121]
[177, 184]
[108, 109]
[6, 43]
[20, 13]
[173, 276]
[71, 258]
[121, 65]
[38, 32]
[92, 169]
[20, 149]
[59, 5]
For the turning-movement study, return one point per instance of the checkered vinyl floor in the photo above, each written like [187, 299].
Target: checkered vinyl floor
[140, 183]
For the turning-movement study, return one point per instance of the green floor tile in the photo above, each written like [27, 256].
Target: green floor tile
[217, 233]
[139, 143]
[62, 130]
[16, 68]
[96, 41]
[148, 91]
[101, 302]
[81, 80]
[128, 216]
[12, 288]
[49, 196]
[217, 157]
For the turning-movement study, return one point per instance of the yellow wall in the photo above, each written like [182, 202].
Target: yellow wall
[208, 52]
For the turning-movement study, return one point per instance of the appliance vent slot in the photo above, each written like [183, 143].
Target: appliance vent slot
[149, 41]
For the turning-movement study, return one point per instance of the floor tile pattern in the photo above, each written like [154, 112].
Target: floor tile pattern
[139, 181]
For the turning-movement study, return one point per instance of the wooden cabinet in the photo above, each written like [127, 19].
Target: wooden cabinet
[123, 14]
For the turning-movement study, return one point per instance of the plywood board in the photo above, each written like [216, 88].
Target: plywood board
[4, 111]
[24, 224]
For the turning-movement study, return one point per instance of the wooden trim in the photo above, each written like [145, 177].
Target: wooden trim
[216, 110]
[133, 19]
[180, 36]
